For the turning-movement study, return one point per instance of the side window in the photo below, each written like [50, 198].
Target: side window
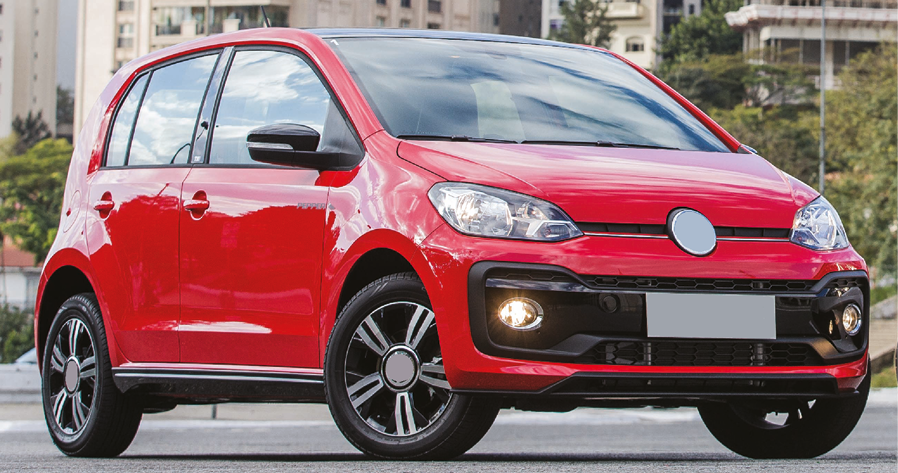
[264, 88]
[124, 123]
[165, 123]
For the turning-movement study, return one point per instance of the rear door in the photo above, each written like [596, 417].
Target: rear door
[251, 237]
[133, 225]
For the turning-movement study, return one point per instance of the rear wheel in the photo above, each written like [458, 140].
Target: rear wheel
[85, 412]
[797, 429]
[385, 381]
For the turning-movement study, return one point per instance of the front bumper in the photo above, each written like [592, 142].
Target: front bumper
[478, 361]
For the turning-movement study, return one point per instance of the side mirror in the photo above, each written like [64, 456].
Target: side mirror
[288, 144]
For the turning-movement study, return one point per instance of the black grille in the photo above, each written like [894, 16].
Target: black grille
[693, 284]
[703, 353]
[685, 385]
[654, 229]
[530, 275]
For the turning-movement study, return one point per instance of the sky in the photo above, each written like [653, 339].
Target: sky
[66, 33]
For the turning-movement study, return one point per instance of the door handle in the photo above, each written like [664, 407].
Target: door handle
[105, 204]
[198, 204]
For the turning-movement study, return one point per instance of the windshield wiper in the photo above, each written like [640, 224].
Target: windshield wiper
[600, 143]
[470, 139]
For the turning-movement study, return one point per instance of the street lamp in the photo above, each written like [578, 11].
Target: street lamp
[822, 94]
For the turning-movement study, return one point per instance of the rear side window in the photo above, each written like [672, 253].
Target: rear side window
[124, 123]
[264, 88]
[164, 128]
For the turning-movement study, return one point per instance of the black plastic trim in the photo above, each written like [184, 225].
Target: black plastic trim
[221, 385]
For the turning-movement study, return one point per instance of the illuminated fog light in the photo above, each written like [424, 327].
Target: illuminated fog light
[851, 319]
[521, 313]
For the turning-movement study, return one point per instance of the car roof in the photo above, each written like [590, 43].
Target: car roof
[329, 33]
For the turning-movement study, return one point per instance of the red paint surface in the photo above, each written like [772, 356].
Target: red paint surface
[253, 282]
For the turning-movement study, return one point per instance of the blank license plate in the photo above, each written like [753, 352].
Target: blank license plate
[710, 316]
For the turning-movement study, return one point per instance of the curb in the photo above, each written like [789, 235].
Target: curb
[882, 360]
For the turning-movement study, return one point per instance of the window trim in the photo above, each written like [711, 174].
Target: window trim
[224, 80]
[148, 71]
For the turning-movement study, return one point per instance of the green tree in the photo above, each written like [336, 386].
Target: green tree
[585, 22]
[30, 130]
[784, 135]
[31, 190]
[699, 36]
[16, 333]
[862, 154]
[65, 106]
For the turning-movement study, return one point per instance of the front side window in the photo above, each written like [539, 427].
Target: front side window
[265, 88]
[516, 92]
[167, 116]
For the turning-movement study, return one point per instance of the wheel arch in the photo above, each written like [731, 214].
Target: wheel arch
[66, 281]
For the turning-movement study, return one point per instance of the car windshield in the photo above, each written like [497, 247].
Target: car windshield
[422, 88]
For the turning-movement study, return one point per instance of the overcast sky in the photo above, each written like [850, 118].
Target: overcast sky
[66, 33]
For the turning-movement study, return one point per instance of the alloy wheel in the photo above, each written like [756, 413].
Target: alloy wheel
[73, 377]
[394, 370]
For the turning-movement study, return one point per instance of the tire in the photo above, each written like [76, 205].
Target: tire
[819, 427]
[384, 380]
[85, 412]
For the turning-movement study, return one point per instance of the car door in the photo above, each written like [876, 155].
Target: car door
[135, 198]
[251, 233]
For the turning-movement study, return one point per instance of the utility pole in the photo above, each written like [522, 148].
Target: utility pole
[822, 95]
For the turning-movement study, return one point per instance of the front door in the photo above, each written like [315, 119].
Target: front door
[251, 233]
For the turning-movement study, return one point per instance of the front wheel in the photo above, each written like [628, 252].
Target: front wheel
[385, 382]
[797, 429]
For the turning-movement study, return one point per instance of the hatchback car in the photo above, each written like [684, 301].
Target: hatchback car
[423, 228]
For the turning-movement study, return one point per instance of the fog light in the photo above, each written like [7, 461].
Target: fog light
[851, 319]
[521, 313]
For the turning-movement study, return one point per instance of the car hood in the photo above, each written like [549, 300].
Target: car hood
[625, 185]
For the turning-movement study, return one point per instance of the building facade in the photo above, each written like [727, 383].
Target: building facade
[27, 61]
[640, 24]
[790, 30]
[113, 32]
[521, 17]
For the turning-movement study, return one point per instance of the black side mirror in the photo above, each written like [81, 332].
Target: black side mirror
[288, 144]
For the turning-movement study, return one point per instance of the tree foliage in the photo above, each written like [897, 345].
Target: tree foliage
[700, 36]
[65, 106]
[585, 22]
[30, 130]
[31, 190]
[862, 152]
[16, 333]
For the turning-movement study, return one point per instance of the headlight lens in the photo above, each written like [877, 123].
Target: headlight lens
[818, 226]
[489, 212]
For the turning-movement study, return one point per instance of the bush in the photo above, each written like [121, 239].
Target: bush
[16, 333]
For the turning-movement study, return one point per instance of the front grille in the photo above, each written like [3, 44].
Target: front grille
[694, 284]
[644, 384]
[701, 353]
[655, 229]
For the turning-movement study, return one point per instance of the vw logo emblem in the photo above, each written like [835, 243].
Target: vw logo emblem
[692, 232]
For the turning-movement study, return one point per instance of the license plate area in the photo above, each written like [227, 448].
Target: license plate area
[711, 316]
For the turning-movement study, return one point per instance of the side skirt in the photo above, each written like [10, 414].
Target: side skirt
[205, 386]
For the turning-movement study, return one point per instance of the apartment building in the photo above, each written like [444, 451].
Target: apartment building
[113, 32]
[640, 24]
[27, 61]
[790, 30]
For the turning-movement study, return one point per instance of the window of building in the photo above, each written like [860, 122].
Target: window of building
[405, 23]
[167, 116]
[126, 5]
[496, 19]
[691, 10]
[380, 21]
[433, 26]
[126, 35]
[381, 2]
[124, 122]
[1, 8]
[168, 20]
[635, 44]
[405, 3]
[265, 88]
[227, 19]
[434, 6]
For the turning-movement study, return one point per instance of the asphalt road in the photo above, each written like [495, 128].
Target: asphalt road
[303, 439]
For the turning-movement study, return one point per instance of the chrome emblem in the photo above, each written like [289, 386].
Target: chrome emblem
[692, 232]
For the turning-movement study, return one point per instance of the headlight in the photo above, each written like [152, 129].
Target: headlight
[818, 226]
[489, 212]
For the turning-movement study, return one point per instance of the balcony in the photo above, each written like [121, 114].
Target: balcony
[625, 10]
[774, 14]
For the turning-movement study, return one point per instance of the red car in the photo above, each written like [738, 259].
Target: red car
[423, 228]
